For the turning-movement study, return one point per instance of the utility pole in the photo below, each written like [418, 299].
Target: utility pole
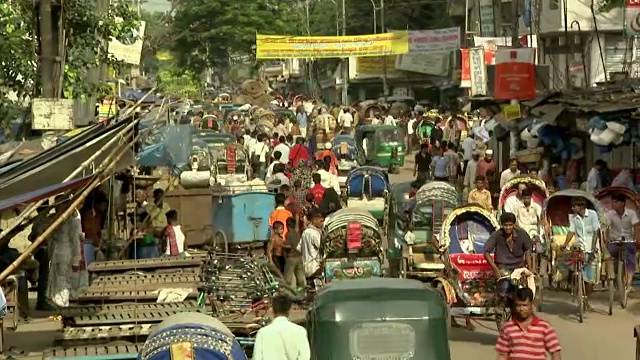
[345, 61]
[385, 86]
[308, 32]
[47, 55]
[515, 31]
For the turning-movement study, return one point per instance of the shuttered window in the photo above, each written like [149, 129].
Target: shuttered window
[616, 53]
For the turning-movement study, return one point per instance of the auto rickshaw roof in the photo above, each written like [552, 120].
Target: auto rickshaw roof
[376, 289]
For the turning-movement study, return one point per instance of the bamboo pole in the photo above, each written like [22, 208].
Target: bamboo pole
[101, 176]
[27, 212]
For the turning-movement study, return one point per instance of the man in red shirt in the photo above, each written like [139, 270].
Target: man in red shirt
[527, 337]
[298, 152]
[317, 190]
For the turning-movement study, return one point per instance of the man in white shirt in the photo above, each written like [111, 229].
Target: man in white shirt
[310, 240]
[389, 120]
[514, 202]
[281, 339]
[328, 180]
[410, 133]
[468, 148]
[249, 140]
[509, 173]
[594, 184]
[260, 149]
[623, 230]
[284, 149]
[277, 159]
[345, 119]
[528, 215]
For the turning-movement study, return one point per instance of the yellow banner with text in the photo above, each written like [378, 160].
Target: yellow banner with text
[295, 47]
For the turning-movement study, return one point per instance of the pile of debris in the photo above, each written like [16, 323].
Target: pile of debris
[252, 92]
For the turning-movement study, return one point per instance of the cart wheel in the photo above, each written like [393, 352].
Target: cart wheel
[447, 308]
[220, 239]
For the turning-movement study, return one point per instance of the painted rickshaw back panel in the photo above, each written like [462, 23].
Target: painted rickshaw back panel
[352, 246]
[243, 218]
[345, 321]
[464, 234]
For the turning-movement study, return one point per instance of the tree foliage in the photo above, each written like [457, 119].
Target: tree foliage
[87, 32]
[157, 38]
[207, 32]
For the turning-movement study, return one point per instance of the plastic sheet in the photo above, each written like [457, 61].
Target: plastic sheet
[167, 146]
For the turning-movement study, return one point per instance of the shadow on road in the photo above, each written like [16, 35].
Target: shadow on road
[460, 334]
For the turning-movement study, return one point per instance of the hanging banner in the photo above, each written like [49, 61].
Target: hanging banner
[295, 47]
[515, 74]
[465, 73]
[129, 53]
[421, 41]
[632, 17]
[478, 72]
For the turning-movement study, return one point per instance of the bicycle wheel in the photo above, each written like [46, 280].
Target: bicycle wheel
[612, 291]
[580, 284]
[621, 282]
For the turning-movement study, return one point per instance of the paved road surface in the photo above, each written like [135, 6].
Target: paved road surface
[599, 337]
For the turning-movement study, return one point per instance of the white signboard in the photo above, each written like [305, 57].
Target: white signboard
[421, 41]
[478, 72]
[52, 114]
[487, 18]
[128, 53]
[436, 63]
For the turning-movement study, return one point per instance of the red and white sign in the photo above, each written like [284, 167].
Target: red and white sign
[515, 74]
[465, 73]
[632, 17]
[421, 41]
[471, 266]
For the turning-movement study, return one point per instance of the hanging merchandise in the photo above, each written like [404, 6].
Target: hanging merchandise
[465, 73]
[478, 72]
[515, 74]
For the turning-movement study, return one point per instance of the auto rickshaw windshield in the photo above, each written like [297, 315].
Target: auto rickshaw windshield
[389, 135]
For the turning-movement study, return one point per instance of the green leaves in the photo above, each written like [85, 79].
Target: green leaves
[207, 32]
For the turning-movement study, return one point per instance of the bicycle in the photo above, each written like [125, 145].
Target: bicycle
[577, 260]
[538, 266]
[620, 276]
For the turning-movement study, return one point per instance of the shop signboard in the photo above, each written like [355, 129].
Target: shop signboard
[436, 63]
[478, 71]
[465, 72]
[515, 74]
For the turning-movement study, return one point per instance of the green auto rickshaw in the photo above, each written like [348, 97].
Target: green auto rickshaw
[382, 145]
[378, 318]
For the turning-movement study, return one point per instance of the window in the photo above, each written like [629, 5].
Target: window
[554, 4]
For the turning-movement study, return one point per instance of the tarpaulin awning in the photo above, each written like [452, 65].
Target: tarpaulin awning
[42, 193]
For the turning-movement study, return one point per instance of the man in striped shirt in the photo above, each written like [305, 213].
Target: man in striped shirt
[527, 337]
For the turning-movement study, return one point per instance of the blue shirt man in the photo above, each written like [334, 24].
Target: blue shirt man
[440, 166]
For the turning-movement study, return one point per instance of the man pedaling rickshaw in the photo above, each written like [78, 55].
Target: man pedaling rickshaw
[511, 247]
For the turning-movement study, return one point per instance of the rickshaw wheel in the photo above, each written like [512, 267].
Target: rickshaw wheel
[447, 308]
[221, 239]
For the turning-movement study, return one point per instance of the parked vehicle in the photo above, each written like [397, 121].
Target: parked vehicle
[346, 152]
[364, 318]
[352, 246]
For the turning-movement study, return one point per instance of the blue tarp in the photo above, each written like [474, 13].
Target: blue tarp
[167, 146]
[136, 95]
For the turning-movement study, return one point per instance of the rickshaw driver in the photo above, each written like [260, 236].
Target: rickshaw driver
[511, 245]
[624, 226]
[584, 224]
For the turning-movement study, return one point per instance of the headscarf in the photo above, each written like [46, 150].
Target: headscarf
[302, 173]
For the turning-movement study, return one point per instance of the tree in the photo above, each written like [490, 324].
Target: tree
[86, 42]
[157, 38]
[207, 32]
